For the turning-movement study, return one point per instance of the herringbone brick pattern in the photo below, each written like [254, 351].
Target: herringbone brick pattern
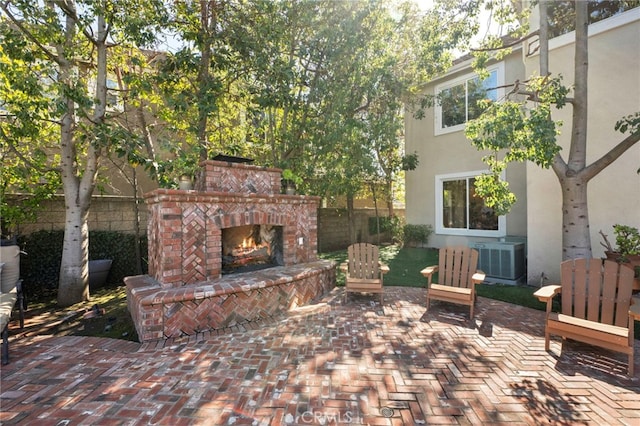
[242, 298]
[328, 363]
[240, 178]
[194, 256]
[185, 230]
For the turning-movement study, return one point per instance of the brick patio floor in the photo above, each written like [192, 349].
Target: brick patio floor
[328, 363]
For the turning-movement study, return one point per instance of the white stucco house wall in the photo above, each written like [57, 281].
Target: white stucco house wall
[440, 191]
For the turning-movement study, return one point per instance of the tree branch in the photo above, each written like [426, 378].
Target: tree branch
[506, 46]
[608, 158]
[28, 34]
[26, 160]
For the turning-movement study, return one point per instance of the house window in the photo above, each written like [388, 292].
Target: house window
[561, 14]
[113, 100]
[460, 211]
[458, 100]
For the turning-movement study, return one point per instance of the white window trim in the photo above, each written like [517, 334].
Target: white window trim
[118, 106]
[439, 130]
[442, 230]
[599, 27]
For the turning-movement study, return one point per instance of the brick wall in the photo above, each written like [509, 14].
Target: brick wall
[107, 213]
[333, 228]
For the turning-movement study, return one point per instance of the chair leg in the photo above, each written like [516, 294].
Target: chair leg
[5, 345]
[546, 340]
[631, 363]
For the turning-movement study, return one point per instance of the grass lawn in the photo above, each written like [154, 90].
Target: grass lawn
[406, 263]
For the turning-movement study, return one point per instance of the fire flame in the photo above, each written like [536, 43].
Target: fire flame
[247, 246]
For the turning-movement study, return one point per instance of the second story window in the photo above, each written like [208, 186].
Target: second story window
[561, 14]
[457, 100]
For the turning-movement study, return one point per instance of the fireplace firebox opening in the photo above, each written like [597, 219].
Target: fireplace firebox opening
[251, 248]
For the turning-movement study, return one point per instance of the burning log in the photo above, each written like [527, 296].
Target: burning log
[246, 256]
[250, 251]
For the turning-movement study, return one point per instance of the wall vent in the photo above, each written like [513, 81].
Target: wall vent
[504, 260]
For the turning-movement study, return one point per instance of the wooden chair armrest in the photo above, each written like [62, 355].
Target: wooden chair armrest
[384, 268]
[547, 292]
[478, 277]
[634, 311]
[429, 270]
[344, 267]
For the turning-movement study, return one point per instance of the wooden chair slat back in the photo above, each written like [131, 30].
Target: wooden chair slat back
[596, 291]
[456, 265]
[363, 261]
[624, 295]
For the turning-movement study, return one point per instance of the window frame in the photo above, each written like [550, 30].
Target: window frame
[596, 28]
[438, 129]
[114, 100]
[439, 205]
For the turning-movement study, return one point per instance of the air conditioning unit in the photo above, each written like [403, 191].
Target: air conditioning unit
[502, 260]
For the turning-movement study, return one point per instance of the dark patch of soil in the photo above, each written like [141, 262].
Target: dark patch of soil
[106, 315]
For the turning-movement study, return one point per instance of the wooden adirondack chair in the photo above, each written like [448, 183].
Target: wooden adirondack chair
[457, 276]
[597, 307]
[363, 270]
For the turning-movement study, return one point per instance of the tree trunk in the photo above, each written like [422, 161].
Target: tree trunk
[351, 219]
[375, 206]
[208, 21]
[390, 208]
[572, 174]
[73, 286]
[74, 270]
[576, 238]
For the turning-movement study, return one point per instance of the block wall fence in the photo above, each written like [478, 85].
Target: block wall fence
[118, 213]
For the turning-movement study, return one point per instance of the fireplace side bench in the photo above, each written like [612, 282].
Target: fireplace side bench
[162, 313]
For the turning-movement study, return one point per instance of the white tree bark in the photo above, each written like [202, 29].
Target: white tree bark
[576, 240]
[79, 182]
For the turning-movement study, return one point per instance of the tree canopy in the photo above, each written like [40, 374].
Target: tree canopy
[316, 87]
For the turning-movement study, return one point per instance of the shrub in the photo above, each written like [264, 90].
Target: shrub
[40, 265]
[416, 234]
[383, 221]
[388, 224]
[40, 261]
[627, 240]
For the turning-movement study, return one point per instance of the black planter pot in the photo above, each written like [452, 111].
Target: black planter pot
[98, 272]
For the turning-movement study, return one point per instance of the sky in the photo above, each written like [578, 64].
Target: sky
[485, 20]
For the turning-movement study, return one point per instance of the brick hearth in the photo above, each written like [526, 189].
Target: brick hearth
[185, 292]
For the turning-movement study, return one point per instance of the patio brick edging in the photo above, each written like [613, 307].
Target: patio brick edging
[162, 313]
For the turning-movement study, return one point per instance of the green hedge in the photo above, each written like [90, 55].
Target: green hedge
[386, 224]
[417, 234]
[40, 262]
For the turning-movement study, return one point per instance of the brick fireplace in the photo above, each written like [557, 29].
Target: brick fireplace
[230, 252]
